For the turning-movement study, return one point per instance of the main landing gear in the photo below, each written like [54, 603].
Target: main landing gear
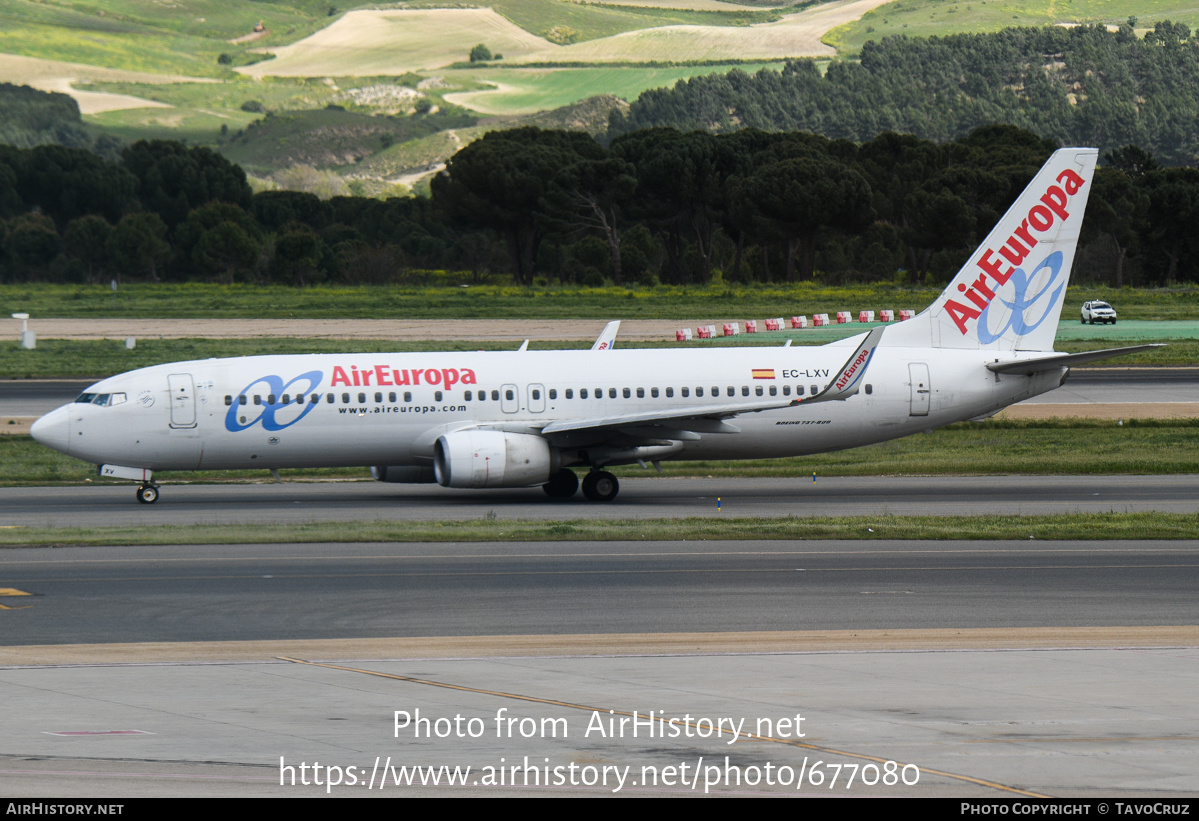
[598, 485]
[147, 494]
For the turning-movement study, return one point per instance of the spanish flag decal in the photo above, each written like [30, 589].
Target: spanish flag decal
[763, 373]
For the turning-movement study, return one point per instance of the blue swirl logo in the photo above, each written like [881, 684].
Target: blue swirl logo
[1020, 303]
[269, 412]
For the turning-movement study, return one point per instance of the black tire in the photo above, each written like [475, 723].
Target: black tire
[562, 485]
[147, 494]
[600, 486]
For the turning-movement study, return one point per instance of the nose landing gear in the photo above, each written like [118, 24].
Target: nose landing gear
[147, 494]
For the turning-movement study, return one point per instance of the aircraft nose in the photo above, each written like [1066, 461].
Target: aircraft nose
[53, 430]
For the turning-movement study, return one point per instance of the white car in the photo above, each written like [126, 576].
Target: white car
[1093, 312]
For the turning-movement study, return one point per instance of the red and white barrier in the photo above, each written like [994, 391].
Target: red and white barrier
[682, 335]
[751, 326]
[774, 324]
[842, 317]
[731, 329]
[886, 315]
[819, 319]
[906, 315]
[799, 322]
[865, 316]
[706, 331]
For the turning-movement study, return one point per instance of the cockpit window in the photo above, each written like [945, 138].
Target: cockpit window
[85, 398]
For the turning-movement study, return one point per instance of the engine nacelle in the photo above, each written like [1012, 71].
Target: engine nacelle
[492, 458]
[403, 474]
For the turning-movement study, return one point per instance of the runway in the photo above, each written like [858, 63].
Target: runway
[204, 693]
[648, 498]
[350, 591]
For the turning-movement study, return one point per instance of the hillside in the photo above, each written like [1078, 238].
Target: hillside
[203, 73]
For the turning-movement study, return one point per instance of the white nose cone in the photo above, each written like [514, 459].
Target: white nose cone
[54, 429]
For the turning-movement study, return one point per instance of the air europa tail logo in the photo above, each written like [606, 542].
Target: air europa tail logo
[847, 375]
[998, 269]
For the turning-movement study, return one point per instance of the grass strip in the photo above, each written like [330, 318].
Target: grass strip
[1072, 447]
[1074, 527]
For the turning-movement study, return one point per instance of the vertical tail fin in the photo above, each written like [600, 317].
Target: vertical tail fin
[1009, 295]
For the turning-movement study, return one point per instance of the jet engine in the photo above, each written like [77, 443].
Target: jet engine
[492, 458]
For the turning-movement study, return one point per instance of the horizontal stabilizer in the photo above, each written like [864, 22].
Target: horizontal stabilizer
[1064, 360]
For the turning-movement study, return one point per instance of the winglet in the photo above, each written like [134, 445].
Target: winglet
[607, 338]
[849, 378]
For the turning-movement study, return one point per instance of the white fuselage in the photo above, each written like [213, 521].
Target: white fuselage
[390, 409]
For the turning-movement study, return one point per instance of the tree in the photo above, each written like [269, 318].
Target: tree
[138, 244]
[503, 182]
[480, 54]
[86, 239]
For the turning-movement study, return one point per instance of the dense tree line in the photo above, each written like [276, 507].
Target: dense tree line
[651, 205]
[1078, 86]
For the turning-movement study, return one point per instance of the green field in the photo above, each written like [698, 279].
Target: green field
[526, 90]
[1065, 447]
[452, 295]
[1076, 526]
[924, 18]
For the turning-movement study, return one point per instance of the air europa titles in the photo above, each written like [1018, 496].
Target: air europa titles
[383, 376]
[1040, 218]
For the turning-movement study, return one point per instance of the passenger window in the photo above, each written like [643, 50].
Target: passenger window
[570, 394]
[242, 399]
[815, 390]
[686, 392]
[407, 396]
[509, 394]
[582, 393]
[436, 396]
[378, 396]
[314, 399]
[869, 389]
[467, 396]
[536, 394]
[228, 400]
[774, 391]
[495, 396]
[731, 391]
[345, 399]
[611, 393]
[285, 398]
[758, 390]
[699, 392]
[330, 398]
[745, 390]
[391, 396]
[641, 393]
[626, 393]
[799, 390]
[669, 392]
[362, 398]
[553, 393]
[786, 390]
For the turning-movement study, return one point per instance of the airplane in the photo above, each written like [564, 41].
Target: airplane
[525, 418]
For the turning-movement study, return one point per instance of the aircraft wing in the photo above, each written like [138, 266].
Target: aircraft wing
[710, 418]
[1065, 360]
[606, 341]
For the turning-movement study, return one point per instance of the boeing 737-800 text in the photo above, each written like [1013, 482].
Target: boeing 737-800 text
[526, 418]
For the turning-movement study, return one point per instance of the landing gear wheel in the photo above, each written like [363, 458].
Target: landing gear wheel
[600, 486]
[147, 494]
[562, 485]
